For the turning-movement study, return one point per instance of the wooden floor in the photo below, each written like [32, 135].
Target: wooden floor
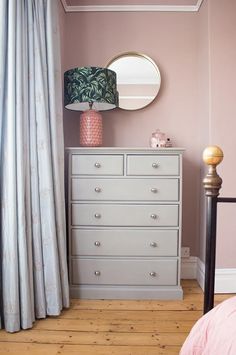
[112, 327]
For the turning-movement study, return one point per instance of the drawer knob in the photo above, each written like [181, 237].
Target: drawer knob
[154, 216]
[97, 273]
[154, 190]
[97, 243]
[153, 244]
[152, 273]
[97, 165]
[154, 165]
[97, 189]
[97, 215]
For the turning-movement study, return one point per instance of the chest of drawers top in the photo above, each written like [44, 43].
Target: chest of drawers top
[125, 161]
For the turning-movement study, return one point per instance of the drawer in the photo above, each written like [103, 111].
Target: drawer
[125, 189]
[118, 242]
[124, 271]
[153, 165]
[124, 215]
[89, 164]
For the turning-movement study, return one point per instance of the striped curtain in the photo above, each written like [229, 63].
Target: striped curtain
[34, 278]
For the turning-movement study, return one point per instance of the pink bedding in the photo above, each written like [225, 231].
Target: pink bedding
[214, 333]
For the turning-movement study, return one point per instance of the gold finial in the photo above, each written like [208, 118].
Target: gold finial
[212, 156]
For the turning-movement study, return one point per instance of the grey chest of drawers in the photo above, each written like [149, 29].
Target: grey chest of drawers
[124, 222]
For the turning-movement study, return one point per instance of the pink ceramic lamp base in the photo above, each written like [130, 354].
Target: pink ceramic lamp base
[90, 129]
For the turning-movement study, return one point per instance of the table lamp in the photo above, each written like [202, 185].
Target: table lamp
[90, 89]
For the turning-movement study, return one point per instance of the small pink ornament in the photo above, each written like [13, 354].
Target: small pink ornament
[157, 139]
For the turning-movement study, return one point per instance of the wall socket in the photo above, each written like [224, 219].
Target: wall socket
[185, 252]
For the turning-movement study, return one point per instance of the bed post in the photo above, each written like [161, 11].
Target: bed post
[212, 156]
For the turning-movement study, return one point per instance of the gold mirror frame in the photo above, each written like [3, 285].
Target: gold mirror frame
[135, 91]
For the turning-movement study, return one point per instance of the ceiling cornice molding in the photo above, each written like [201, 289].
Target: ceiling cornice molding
[199, 3]
[132, 8]
[65, 6]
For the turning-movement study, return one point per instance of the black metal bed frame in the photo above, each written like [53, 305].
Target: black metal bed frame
[212, 183]
[211, 249]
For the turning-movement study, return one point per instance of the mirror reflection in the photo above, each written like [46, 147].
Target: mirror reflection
[138, 79]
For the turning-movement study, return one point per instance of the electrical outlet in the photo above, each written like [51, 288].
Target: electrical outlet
[185, 252]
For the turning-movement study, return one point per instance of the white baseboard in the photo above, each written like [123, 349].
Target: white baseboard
[200, 273]
[194, 268]
[225, 279]
[189, 267]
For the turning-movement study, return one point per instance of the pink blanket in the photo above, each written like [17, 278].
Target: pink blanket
[214, 333]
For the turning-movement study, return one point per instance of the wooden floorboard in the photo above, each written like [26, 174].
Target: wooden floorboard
[64, 349]
[112, 327]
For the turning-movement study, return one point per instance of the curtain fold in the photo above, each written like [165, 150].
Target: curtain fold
[34, 278]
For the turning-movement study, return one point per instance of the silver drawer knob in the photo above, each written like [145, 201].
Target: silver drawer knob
[97, 165]
[97, 273]
[97, 215]
[152, 273]
[154, 165]
[97, 189]
[154, 190]
[154, 216]
[97, 243]
[153, 244]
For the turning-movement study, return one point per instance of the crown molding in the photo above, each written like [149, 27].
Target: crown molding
[132, 8]
[65, 6]
[198, 4]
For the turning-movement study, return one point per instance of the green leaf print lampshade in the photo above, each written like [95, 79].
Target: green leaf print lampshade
[90, 89]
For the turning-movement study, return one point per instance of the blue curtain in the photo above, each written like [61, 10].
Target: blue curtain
[34, 278]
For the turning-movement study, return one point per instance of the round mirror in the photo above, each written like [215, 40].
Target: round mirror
[138, 79]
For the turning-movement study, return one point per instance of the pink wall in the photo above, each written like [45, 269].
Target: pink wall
[170, 39]
[195, 106]
[222, 27]
[62, 24]
[203, 112]
[217, 59]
